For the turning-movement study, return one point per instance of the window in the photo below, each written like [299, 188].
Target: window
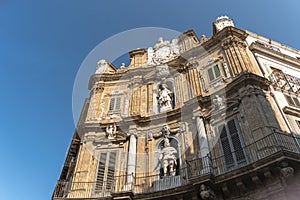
[115, 104]
[213, 73]
[292, 101]
[298, 123]
[105, 172]
[231, 144]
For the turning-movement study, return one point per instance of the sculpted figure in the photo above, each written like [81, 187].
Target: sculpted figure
[111, 131]
[167, 158]
[165, 95]
[206, 193]
[218, 102]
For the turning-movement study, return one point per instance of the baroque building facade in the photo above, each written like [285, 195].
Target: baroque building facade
[209, 118]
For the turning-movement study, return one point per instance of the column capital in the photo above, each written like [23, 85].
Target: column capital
[132, 132]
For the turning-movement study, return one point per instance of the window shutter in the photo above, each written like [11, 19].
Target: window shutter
[236, 142]
[226, 147]
[118, 103]
[111, 104]
[101, 172]
[111, 170]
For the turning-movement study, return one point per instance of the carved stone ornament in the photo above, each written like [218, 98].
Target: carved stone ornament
[218, 102]
[162, 71]
[206, 193]
[182, 128]
[286, 171]
[101, 66]
[163, 52]
[111, 131]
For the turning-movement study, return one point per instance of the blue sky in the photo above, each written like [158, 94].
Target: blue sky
[42, 45]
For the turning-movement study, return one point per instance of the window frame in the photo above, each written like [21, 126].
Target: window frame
[212, 68]
[292, 100]
[117, 105]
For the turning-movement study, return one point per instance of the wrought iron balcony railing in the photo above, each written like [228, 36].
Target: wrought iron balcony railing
[263, 148]
[285, 82]
[258, 150]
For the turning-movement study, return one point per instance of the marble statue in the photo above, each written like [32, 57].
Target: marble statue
[111, 131]
[164, 97]
[167, 158]
[101, 66]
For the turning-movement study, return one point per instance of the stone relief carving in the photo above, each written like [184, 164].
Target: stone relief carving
[206, 193]
[163, 52]
[111, 131]
[165, 98]
[162, 71]
[286, 171]
[182, 128]
[101, 66]
[165, 131]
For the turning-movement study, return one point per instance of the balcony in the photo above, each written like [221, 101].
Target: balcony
[285, 82]
[260, 152]
[271, 145]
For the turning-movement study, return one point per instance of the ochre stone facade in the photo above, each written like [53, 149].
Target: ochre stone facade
[210, 118]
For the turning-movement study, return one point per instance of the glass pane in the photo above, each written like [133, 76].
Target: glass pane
[296, 101]
[217, 71]
[289, 100]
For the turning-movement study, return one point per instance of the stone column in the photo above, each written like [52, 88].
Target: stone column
[131, 162]
[203, 143]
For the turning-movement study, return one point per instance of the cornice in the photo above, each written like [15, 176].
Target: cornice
[255, 47]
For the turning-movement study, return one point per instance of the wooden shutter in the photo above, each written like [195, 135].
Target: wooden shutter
[118, 103]
[101, 172]
[229, 161]
[112, 104]
[111, 170]
[236, 142]
[106, 171]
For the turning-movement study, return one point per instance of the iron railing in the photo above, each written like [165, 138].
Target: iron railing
[265, 147]
[142, 183]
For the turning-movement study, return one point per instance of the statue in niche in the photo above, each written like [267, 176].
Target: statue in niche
[206, 193]
[167, 158]
[165, 97]
[111, 131]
